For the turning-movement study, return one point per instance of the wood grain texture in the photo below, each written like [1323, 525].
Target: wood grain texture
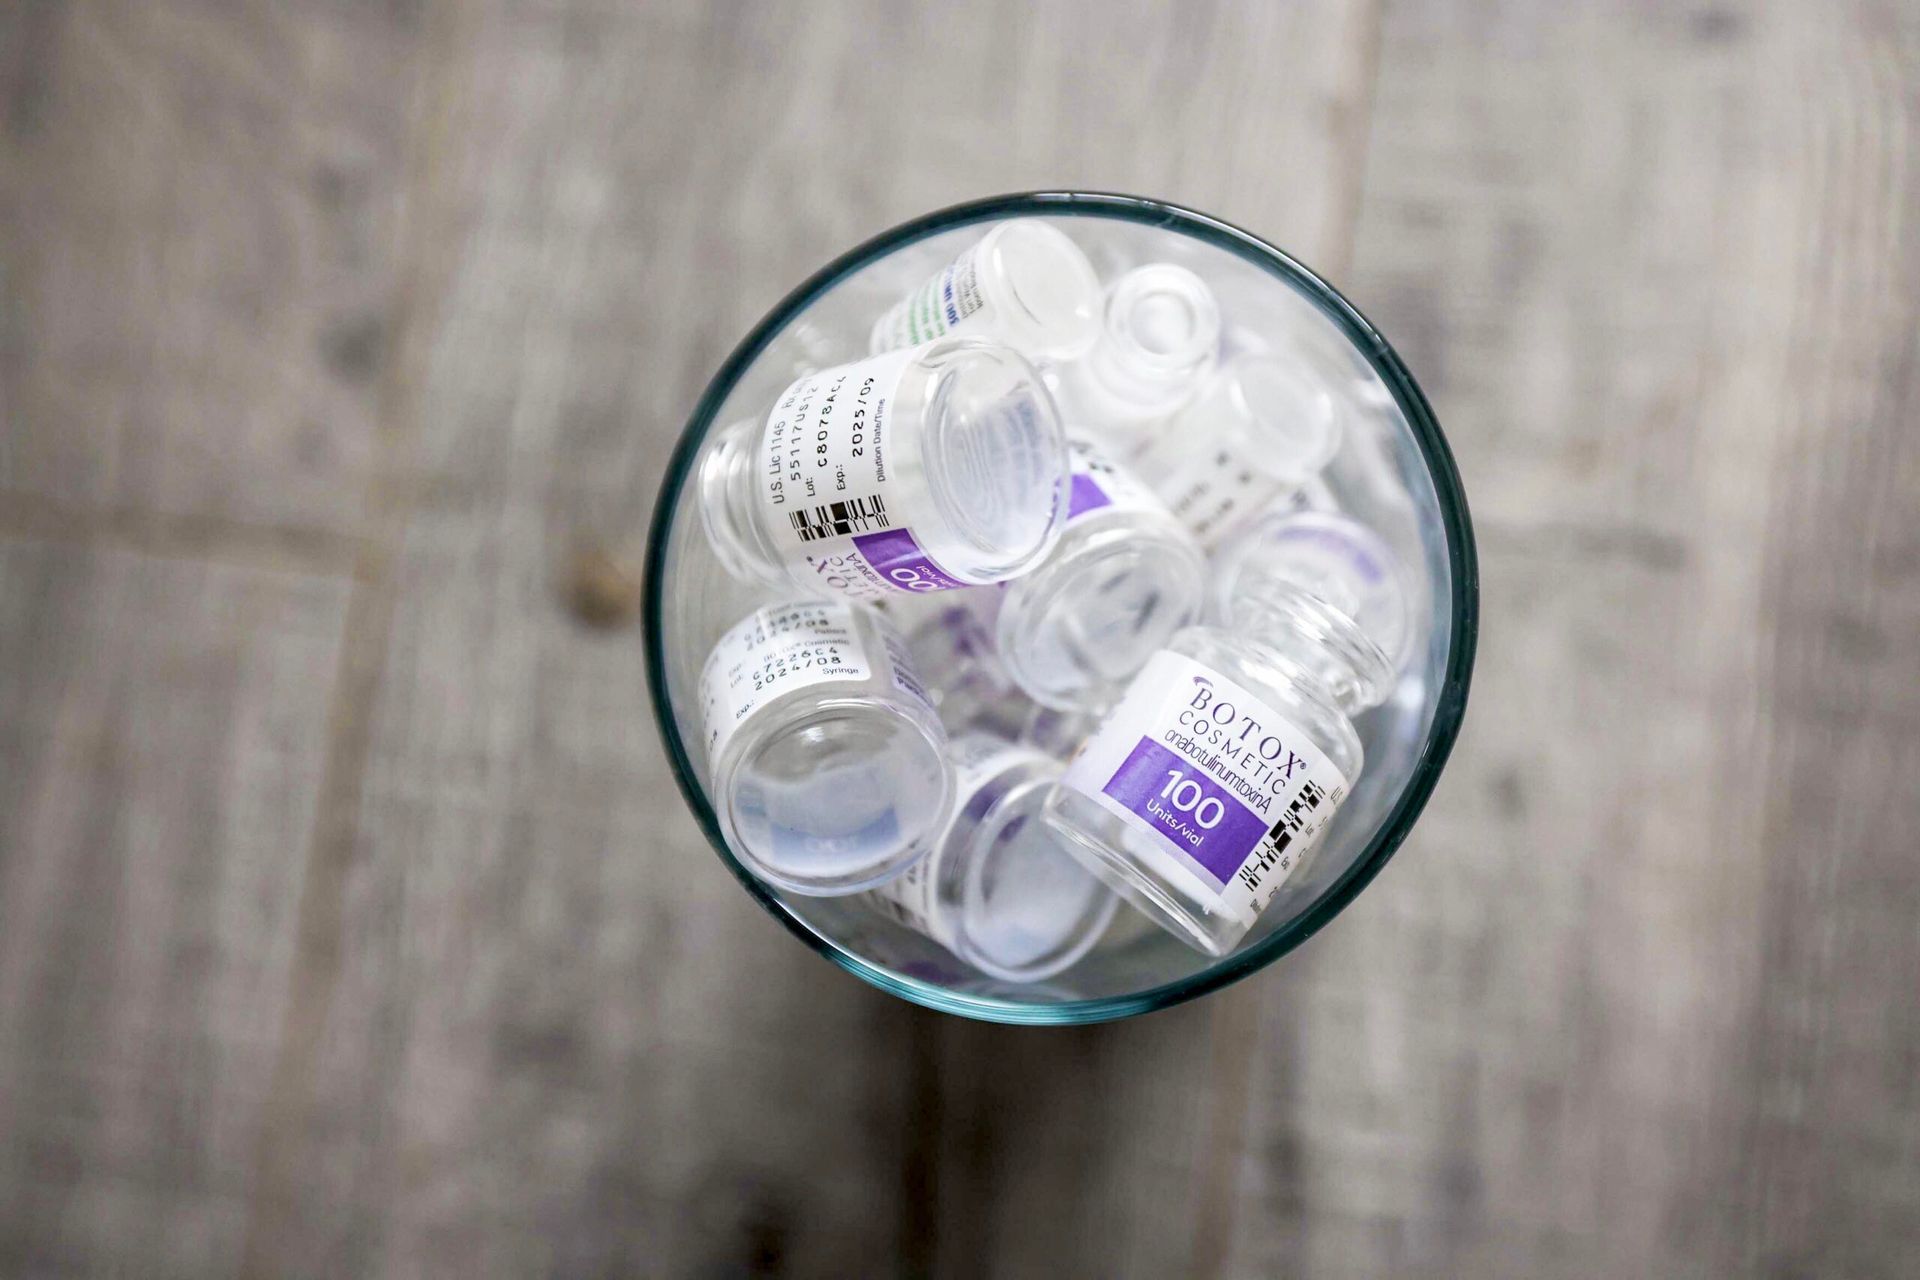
[733, 1101]
[350, 923]
[1637, 998]
[162, 726]
[196, 210]
[560, 1037]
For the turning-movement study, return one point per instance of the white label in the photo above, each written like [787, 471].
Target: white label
[1232, 792]
[934, 309]
[911, 898]
[772, 651]
[1098, 483]
[826, 482]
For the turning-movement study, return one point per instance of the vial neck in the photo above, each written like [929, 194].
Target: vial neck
[728, 504]
[1159, 339]
[1148, 382]
[1326, 653]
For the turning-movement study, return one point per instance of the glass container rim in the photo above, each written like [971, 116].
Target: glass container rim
[1449, 710]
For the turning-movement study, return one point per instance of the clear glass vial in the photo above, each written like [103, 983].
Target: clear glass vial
[826, 760]
[1025, 284]
[920, 470]
[1124, 577]
[999, 891]
[1159, 342]
[1263, 428]
[1215, 775]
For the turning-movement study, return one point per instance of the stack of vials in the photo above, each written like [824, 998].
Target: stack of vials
[1059, 614]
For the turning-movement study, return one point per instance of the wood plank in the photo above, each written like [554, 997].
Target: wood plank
[1634, 999]
[197, 207]
[1091, 1148]
[561, 1038]
[162, 728]
[623, 222]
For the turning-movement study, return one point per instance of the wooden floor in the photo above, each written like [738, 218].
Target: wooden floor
[350, 923]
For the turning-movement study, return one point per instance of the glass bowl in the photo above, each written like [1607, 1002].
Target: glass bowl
[1393, 472]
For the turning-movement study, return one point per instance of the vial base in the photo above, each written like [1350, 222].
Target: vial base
[837, 799]
[1027, 910]
[1126, 861]
[1074, 633]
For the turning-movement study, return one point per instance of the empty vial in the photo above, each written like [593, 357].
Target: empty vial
[826, 760]
[1124, 577]
[919, 470]
[1262, 429]
[999, 891]
[1158, 344]
[1024, 284]
[1221, 767]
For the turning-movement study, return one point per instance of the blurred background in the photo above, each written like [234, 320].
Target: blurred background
[350, 922]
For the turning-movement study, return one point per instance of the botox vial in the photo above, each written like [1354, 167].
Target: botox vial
[826, 760]
[1222, 765]
[1124, 577]
[1023, 284]
[1159, 343]
[919, 470]
[1263, 429]
[1000, 892]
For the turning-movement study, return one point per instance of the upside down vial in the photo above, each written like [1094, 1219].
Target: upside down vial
[1123, 578]
[1262, 429]
[827, 763]
[1000, 891]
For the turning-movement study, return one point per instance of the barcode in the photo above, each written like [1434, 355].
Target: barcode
[857, 515]
[1294, 816]
[1281, 837]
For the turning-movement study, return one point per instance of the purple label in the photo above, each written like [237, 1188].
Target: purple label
[896, 557]
[1085, 494]
[1180, 801]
